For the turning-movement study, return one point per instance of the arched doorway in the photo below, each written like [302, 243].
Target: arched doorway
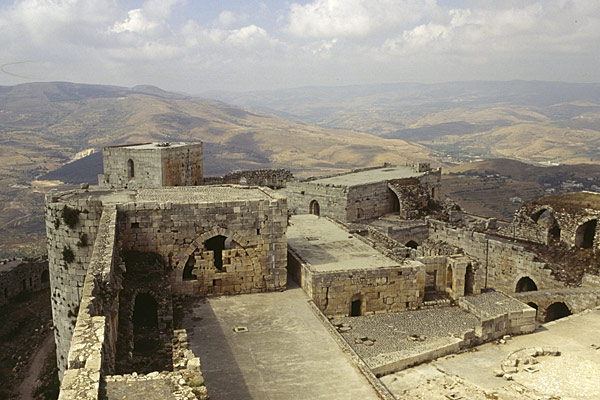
[145, 325]
[525, 284]
[314, 208]
[545, 218]
[189, 267]
[469, 280]
[412, 244]
[449, 277]
[556, 311]
[45, 276]
[216, 244]
[130, 169]
[584, 236]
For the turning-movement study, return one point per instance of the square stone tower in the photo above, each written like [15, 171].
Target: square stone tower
[151, 165]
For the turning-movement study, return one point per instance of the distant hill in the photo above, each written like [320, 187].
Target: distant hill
[43, 126]
[533, 121]
[498, 187]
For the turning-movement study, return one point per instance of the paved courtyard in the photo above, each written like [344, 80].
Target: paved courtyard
[286, 353]
[575, 374]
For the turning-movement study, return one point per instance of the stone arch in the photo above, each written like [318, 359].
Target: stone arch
[544, 216]
[314, 208]
[586, 233]
[395, 198]
[556, 311]
[356, 305]
[130, 169]
[198, 243]
[525, 284]
[412, 244]
[449, 278]
[45, 277]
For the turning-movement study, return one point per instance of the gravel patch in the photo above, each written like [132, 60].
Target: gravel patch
[376, 337]
[493, 303]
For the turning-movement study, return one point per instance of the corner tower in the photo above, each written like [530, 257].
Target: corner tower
[151, 166]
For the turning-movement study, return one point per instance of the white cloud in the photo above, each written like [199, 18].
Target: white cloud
[136, 22]
[354, 18]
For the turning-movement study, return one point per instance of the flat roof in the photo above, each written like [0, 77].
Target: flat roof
[328, 247]
[176, 195]
[155, 145]
[371, 176]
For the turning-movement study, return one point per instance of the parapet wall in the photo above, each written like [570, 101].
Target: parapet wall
[22, 276]
[503, 262]
[92, 350]
[272, 178]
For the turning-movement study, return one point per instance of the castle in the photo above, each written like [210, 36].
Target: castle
[368, 242]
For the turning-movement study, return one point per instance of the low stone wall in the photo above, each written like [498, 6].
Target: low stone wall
[22, 276]
[499, 315]
[590, 280]
[272, 178]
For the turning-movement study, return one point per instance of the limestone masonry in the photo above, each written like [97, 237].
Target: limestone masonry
[124, 256]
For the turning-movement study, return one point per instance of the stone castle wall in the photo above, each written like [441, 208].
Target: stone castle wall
[69, 253]
[255, 261]
[503, 262]
[147, 168]
[182, 166]
[332, 199]
[22, 276]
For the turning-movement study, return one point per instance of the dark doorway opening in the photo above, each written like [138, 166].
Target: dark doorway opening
[395, 202]
[584, 236]
[189, 267]
[556, 311]
[412, 244]
[314, 207]
[145, 325]
[216, 245]
[525, 284]
[45, 277]
[469, 280]
[534, 306]
[355, 308]
[449, 278]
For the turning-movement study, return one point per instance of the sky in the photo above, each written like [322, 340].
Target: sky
[195, 46]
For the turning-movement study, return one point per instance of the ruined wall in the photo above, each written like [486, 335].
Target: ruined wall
[147, 168]
[272, 178]
[379, 290]
[22, 276]
[255, 261]
[69, 253]
[182, 166]
[404, 233]
[503, 262]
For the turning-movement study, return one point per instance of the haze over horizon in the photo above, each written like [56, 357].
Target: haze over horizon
[198, 46]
